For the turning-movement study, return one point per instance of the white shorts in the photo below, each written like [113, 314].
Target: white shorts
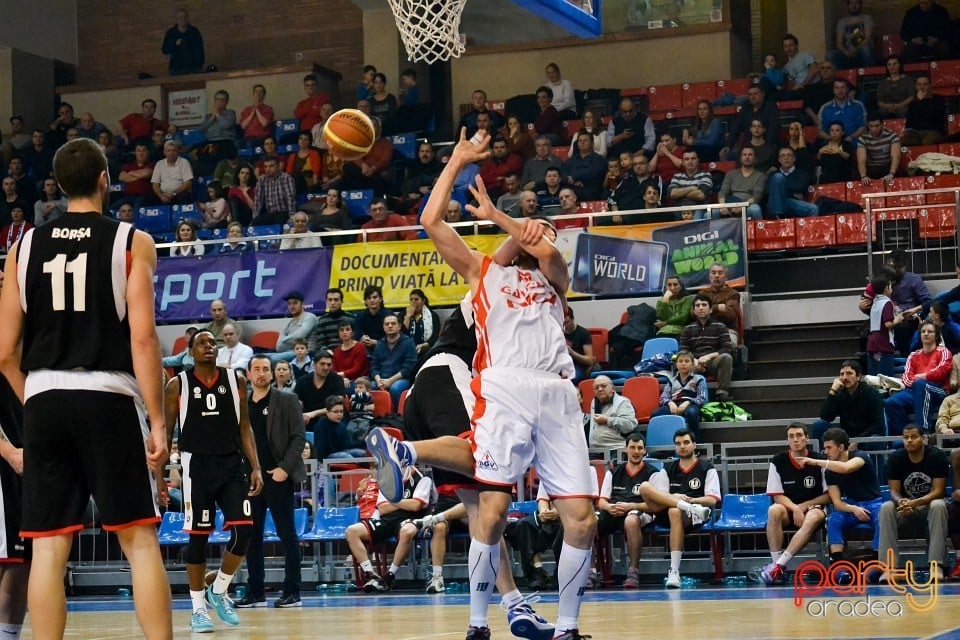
[529, 418]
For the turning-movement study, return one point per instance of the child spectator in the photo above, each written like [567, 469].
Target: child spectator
[283, 377]
[774, 75]
[361, 402]
[684, 393]
[882, 321]
[330, 434]
[301, 364]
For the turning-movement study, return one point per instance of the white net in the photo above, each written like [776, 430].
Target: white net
[429, 29]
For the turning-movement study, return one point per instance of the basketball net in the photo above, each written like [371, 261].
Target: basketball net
[429, 29]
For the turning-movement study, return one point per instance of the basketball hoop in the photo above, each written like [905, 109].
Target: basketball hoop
[429, 29]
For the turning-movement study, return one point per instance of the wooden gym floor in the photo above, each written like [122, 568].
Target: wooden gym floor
[702, 612]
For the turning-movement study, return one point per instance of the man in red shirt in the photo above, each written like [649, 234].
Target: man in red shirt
[380, 218]
[136, 176]
[308, 109]
[142, 125]
[498, 166]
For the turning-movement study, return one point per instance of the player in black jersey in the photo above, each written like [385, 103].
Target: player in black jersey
[800, 497]
[682, 494]
[15, 551]
[622, 507]
[78, 295]
[210, 403]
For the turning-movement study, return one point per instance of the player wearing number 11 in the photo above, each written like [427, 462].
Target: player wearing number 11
[80, 347]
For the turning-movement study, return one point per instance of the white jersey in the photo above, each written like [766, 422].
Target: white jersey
[519, 321]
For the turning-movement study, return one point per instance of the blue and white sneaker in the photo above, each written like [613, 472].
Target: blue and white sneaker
[525, 623]
[222, 604]
[392, 457]
[200, 622]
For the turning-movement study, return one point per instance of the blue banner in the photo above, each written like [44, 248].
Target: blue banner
[250, 284]
[609, 265]
[695, 246]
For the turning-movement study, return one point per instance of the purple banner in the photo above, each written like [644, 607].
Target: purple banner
[250, 284]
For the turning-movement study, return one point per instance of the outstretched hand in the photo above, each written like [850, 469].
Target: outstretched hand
[484, 209]
[469, 151]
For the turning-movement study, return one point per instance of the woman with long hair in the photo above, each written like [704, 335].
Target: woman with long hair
[241, 195]
[705, 134]
[895, 91]
[305, 165]
[186, 232]
[518, 138]
[593, 126]
[420, 322]
[673, 308]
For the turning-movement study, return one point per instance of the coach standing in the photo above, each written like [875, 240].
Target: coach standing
[277, 422]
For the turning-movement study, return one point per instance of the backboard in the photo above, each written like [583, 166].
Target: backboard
[579, 17]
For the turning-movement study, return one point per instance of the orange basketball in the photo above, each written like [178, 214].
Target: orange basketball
[349, 134]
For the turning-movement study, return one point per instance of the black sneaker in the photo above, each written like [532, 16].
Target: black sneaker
[388, 581]
[478, 633]
[250, 601]
[289, 600]
[374, 583]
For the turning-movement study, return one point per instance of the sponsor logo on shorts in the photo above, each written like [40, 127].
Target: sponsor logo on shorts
[487, 462]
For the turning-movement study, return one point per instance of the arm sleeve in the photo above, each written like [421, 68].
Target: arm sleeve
[660, 481]
[774, 484]
[712, 485]
[940, 371]
[607, 489]
[423, 491]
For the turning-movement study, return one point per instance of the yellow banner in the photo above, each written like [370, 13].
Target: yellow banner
[398, 267]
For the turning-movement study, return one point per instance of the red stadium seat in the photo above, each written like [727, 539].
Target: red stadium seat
[816, 232]
[836, 190]
[856, 191]
[890, 44]
[775, 235]
[909, 154]
[403, 400]
[562, 151]
[600, 339]
[852, 228]
[937, 222]
[644, 394]
[666, 97]
[945, 73]
[950, 148]
[180, 344]
[953, 124]
[586, 394]
[382, 404]
[265, 340]
[630, 93]
[947, 181]
[571, 127]
[897, 125]
[915, 183]
[693, 92]
[593, 206]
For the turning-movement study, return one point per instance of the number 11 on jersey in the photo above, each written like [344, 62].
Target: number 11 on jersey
[58, 268]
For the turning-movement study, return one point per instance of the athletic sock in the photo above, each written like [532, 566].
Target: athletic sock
[367, 566]
[675, 557]
[683, 505]
[411, 451]
[393, 568]
[775, 555]
[573, 570]
[784, 558]
[512, 598]
[538, 564]
[222, 583]
[11, 631]
[196, 597]
[438, 571]
[484, 560]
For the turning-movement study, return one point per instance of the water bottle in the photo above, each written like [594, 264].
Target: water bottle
[123, 592]
[688, 583]
[322, 587]
[241, 591]
[453, 587]
[734, 581]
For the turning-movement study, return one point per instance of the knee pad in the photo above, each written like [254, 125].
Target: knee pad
[239, 539]
[196, 549]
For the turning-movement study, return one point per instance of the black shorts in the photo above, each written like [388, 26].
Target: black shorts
[434, 408]
[210, 481]
[14, 549]
[77, 443]
[607, 524]
[383, 529]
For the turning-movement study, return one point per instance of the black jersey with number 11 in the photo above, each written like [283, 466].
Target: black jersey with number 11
[73, 284]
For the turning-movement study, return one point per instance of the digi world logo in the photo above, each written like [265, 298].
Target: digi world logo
[813, 578]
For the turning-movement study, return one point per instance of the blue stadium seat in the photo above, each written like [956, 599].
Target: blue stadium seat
[405, 145]
[286, 131]
[526, 507]
[743, 513]
[301, 521]
[116, 187]
[219, 536]
[287, 149]
[204, 234]
[661, 429]
[653, 346]
[153, 219]
[192, 137]
[245, 153]
[186, 212]
[358, 203]
[265, 230]
[331, 524]
[171, 529]
[200, 187]
[270, 528]
[164, 237]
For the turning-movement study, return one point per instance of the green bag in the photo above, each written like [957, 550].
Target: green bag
[723, 412]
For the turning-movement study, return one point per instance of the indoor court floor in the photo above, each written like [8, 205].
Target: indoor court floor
[703, 612]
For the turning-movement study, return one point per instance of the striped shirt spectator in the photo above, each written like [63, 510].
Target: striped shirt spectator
[276, 198]
[878, 155]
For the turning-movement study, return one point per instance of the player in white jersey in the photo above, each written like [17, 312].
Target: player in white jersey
[527, 410]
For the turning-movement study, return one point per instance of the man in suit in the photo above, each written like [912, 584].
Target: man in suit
[277, 422]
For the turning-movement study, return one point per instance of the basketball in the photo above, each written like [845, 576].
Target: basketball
[349, 134]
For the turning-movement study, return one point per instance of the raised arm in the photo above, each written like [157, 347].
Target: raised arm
[450, 245]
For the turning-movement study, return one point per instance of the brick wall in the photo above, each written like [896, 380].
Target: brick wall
[117, 43]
